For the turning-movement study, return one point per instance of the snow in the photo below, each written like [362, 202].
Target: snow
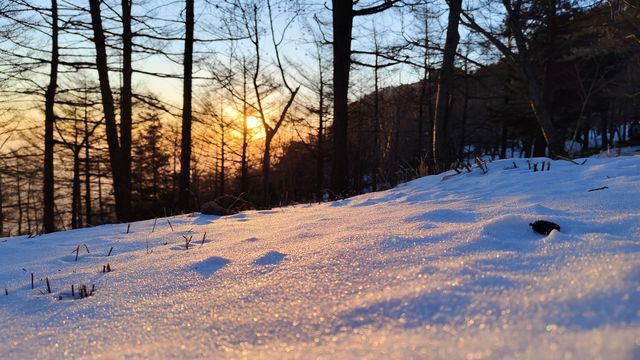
[431, 269]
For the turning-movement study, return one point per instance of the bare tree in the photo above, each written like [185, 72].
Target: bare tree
[254, 75]
[184, 192]
[270, 129]
[76, 138]
[317, 82]
[244, 163]
[516, 23]
[118, 156]
[343, 12]
[50, 95]
[126, 111]
[441, 147]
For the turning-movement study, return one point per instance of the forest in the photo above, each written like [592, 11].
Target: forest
[115, 111]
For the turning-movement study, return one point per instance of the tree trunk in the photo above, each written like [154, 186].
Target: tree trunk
[603, 129]
[100, 200]
[1, 209]
[423, 96]
[115, 158]
[539, 145]
[19, 198]
[222, 145]
[552, 135]
[441, 151]
[175, 176]
[184, 194]
[612, 128]
[155, 183]
[126, 109]
[320, 149]
[376, 125]
[503, 140]
[585, 138]
[342, 29]
[465, 112]
[75, 190]
[266, 170]
[393, 177]
[28, 205]
[50, 94]
[87, 173]
[429, 124]
[244, 177]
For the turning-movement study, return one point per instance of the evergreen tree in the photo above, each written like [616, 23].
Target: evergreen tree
[151, 169]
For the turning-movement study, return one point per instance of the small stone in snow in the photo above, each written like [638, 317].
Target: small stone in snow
[544, 227]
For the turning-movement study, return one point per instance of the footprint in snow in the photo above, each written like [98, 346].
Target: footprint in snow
[445, 216]
[69, 259]
[209, 266]
[238, 217]
[270, 258]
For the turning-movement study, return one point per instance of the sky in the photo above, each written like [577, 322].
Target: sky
[297, 48]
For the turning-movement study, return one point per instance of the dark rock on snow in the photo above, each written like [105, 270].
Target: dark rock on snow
[213, 208]
[544, 227]
[235, 203]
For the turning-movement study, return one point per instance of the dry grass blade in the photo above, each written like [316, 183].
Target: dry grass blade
[187, 241]
[203, 238]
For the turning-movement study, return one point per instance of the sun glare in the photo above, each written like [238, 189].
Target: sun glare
[252, 122]
[230, 112]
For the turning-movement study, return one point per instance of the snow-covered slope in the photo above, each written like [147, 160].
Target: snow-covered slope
[432, 269]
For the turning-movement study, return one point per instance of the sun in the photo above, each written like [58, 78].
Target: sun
[253, 122]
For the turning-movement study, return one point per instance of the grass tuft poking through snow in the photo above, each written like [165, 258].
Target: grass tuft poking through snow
[441, 267]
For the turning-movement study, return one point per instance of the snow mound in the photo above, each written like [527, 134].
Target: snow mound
[431, 269]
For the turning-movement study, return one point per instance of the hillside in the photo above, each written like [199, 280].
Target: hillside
[431, 269]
